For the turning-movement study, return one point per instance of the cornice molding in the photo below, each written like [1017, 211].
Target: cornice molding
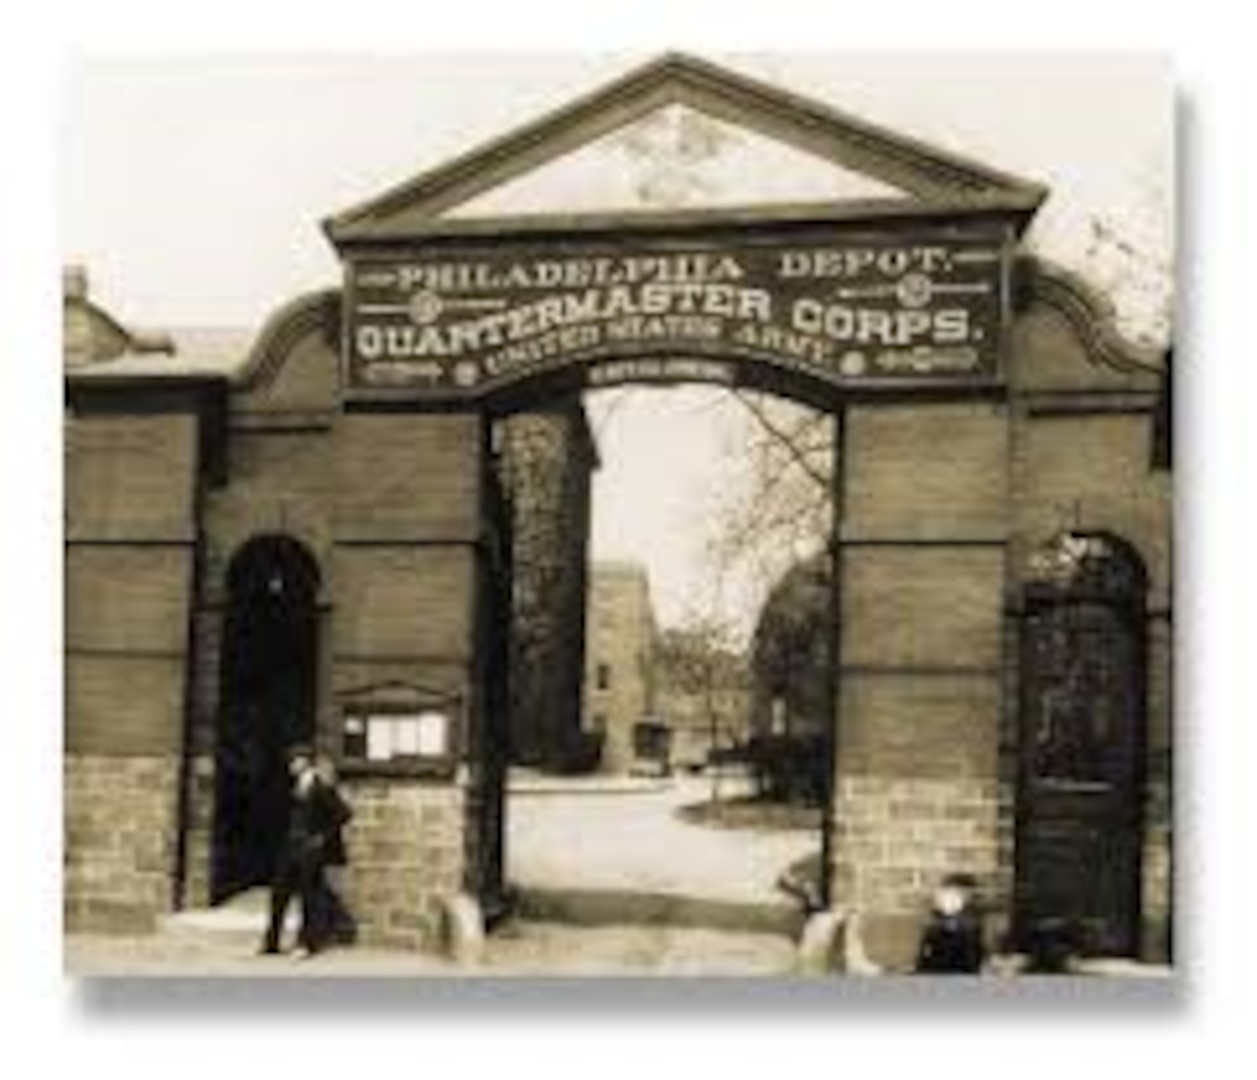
[307, 313]
[1091, 315]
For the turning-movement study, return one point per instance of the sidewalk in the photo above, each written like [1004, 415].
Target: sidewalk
[516, 950]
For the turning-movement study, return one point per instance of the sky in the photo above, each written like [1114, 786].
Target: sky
[193, 186]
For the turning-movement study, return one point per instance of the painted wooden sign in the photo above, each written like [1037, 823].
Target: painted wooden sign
[875, 309]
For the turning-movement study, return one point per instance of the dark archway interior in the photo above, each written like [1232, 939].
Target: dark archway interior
[268, 701]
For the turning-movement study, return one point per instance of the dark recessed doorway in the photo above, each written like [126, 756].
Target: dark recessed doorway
[268, 703]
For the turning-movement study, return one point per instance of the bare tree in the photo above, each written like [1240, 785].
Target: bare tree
[782, 515]
[1127, 253]
[700, 661]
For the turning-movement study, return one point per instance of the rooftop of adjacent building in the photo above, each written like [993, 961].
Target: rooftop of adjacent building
[98, 342]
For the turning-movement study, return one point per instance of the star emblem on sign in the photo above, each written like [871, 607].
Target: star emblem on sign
[853, 363]
[914, 290]
[466, 373]
[424, 307]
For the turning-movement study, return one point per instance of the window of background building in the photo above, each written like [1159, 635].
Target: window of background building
[604, 676]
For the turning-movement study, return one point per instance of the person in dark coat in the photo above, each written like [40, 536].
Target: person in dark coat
[341, 925]
[316, 814]
[951, 943]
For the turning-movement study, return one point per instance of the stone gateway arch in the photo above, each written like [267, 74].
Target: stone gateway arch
[1001, 557]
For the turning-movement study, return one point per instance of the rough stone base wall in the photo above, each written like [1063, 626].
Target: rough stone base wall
[894, 841]
[405, 847]
[120, 834]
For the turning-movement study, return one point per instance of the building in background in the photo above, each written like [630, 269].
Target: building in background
[619, 659]
[702, 695]
[791, 689]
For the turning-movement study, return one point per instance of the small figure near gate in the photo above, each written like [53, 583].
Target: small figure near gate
[316, 815]
[951, 943]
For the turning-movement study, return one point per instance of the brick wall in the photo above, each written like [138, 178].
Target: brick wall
[119, 841]
[281, 481]
[407, 477]
[898, 837]
[1118, 493]
[128, 476]
[131, 482]
[926, 472]
[922, 586]
[405, 848]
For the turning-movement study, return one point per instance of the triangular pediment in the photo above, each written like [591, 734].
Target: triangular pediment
[683, 134]
[676, 157]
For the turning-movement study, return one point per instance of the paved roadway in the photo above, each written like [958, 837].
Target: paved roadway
[628, 839]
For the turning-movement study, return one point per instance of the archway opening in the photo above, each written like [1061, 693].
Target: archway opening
[652, 804]
[268, 704]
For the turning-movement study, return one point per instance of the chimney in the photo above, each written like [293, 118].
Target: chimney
[74, 284]
[151, 341]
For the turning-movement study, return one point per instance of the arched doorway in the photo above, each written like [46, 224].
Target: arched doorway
[1081, 743]
[268, 703]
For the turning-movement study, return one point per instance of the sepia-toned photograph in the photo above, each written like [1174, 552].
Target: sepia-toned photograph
[618, 515]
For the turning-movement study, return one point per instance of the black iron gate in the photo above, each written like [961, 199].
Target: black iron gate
[1080, 793]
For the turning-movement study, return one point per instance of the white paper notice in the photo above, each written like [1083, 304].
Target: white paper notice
[406, 739]
[379, 738]
[432, 729]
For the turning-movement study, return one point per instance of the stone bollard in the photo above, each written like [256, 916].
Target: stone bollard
[463, 930]
[819, 944]
[855, 958]
[833, 944]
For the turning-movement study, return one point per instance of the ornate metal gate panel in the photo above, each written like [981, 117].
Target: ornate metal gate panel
[1081, 744]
